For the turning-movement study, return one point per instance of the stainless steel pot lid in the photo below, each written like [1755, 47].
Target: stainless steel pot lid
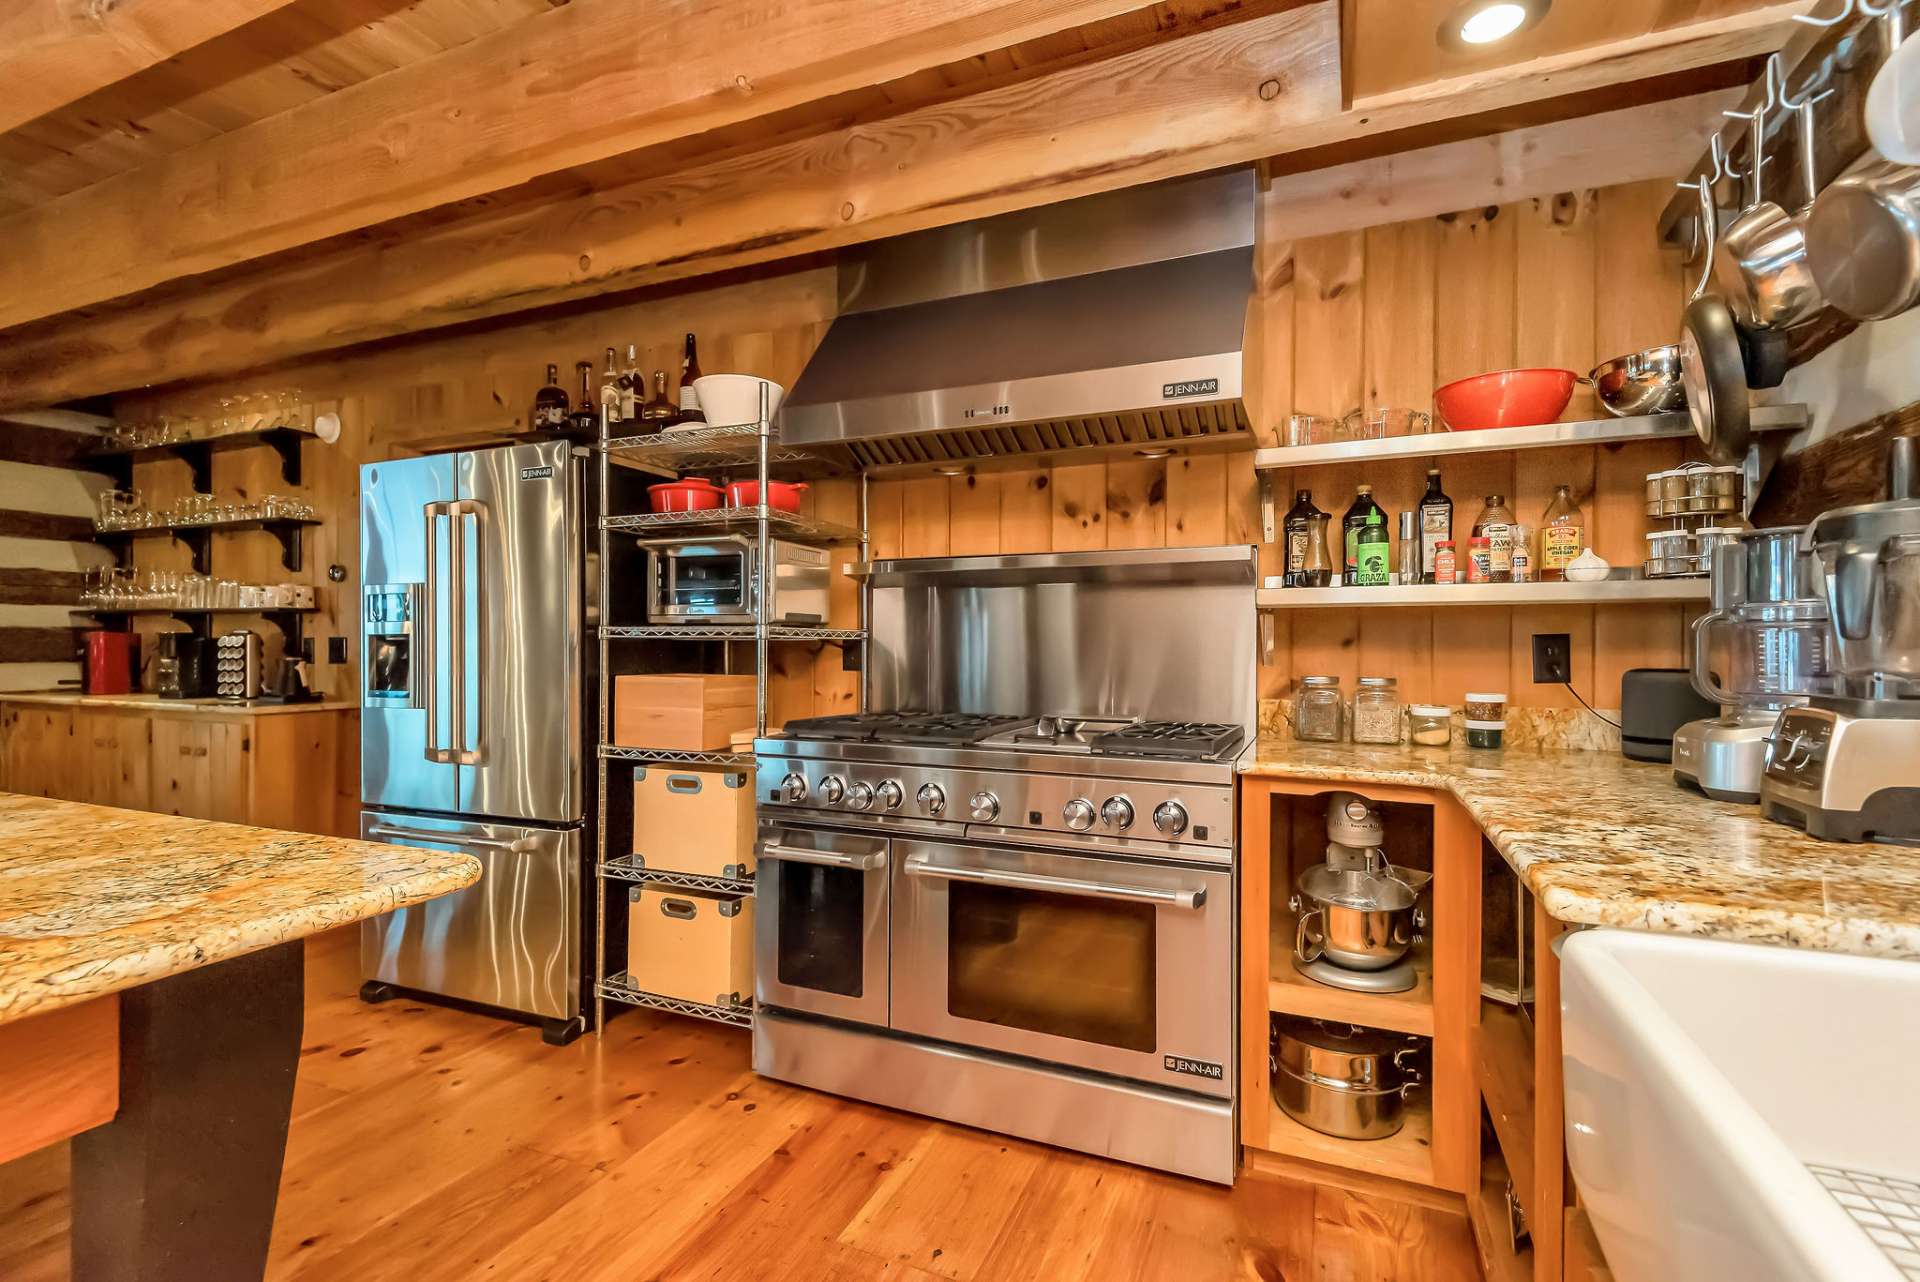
[1347, 1039]
[1360, 890]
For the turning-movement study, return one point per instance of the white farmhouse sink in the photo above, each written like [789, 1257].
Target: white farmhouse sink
[1713, 1090]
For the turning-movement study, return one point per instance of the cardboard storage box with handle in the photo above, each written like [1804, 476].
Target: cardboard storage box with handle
[684, 712]
[694, 948]
[693, 821]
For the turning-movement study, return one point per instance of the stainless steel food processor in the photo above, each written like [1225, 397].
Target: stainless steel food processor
[1847, 766]
[1773, 622]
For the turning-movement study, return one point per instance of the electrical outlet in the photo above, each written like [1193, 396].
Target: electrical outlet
[1552, 658]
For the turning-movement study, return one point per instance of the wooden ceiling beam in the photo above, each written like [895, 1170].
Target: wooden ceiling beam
[574, 85]
[1225, 96]
[53, 52]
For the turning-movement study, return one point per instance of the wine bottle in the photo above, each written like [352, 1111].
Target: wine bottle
[610, 390]
[659, 412]
[586, 420]
[550, 403]
[633, 386]
[689, 395]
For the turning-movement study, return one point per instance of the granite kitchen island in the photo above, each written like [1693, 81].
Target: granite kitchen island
[151, 1006]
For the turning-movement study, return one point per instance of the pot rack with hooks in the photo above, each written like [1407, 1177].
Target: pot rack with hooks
[1832, 56]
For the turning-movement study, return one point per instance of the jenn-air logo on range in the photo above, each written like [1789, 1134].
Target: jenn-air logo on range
[535, 473]
[1193, 1067]
[1194, 387]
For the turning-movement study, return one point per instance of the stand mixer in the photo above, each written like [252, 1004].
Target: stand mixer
[1766, 604]
[1847, 766]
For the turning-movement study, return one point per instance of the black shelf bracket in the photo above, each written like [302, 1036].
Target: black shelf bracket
[286, 444]
[290, 541]
[199, 457]
[201, 542]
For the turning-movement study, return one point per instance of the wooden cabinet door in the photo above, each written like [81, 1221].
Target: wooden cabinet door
[182, 767]
[115, 758]
[42, 755]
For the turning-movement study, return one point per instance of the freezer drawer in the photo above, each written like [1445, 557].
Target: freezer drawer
[511, 940]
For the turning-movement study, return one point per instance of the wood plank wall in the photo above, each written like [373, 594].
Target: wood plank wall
[47, 503]
[1363, 319]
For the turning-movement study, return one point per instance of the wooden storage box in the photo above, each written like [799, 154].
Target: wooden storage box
[693, 821]
[691, 947]
[685, 712]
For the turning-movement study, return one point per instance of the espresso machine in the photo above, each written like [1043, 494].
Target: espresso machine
[1846, 767]
[1768, 608]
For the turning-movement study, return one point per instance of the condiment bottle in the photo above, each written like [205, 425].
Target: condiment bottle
[1444, 567]
[1495, 525]
[1373, 552]
[1407, 558]
[1351, 524]
[1562, 535]
[1296, 527]
[1479, 560]
[1436, 526]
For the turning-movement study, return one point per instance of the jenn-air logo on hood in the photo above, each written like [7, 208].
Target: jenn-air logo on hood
[1197, 387]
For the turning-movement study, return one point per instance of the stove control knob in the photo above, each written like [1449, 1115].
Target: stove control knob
[1170, 818]
[860, 796]
[793, 788]
[932, 798]
[832, 788]
[1117, 814]
[1079, 814]
[890, 794]
[984, 807]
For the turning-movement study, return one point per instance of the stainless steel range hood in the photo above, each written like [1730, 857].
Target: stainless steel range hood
[1110, 323]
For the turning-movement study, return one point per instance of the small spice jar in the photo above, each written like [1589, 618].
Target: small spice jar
[1430, 725]
[1486, 720]
[1480, 560]
[1376, 711]
[1443, 561]
[1319, 711]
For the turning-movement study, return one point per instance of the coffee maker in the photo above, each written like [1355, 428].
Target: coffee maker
[1766, 604]
[1847, 766]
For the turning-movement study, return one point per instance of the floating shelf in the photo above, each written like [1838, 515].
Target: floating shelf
[729, 632]
[627, 868]
[286, 618]
[197, 536]
[670, 756]
[619, 988]
[199, 452]
[1599, 431]
[1606, 592]
[785, 524]
[1407, 1155]
[1291, 993]
[693, 448]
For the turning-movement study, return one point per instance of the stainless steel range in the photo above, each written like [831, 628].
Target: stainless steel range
[1008, 901]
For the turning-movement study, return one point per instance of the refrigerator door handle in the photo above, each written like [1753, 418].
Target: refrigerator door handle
[447, 839]
[470, 749]
[429, 638]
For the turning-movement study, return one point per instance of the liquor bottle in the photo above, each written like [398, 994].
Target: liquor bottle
[610, 391]
[690, 398]
[1436, 523]
[659, 412]
[1563, 533]
[1495, 525]
[1318, 570]
[586, 419]
[1363, 509]
[633, 386]
[1296, 526]
[550, 404]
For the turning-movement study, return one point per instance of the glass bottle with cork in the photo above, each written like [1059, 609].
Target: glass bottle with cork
[1563, 533]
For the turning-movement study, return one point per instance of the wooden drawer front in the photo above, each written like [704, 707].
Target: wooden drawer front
[692, 947]
[694, 821]
[690, 712]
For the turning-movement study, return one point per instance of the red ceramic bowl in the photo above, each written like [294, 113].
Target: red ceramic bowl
[689, 494]
[1508, 398]
[782, 496]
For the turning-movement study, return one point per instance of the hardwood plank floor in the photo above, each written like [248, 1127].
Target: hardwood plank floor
[434, 1146]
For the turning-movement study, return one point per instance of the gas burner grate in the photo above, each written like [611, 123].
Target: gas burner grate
[1197, 739]
[905, 727]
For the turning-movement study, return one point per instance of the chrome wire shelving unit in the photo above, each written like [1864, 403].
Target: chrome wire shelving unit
[669, 453]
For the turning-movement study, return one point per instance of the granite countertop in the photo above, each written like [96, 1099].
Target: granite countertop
[1606, 841]
[154, 703]
[94, 900]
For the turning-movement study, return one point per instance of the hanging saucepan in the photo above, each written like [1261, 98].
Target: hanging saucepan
[1762, 352]
[1863, 237]
[1762, 268]
[1712, 366]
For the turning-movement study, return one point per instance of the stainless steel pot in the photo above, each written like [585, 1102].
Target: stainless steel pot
[1357, 919]
[1762, 266]
[1341, 1079]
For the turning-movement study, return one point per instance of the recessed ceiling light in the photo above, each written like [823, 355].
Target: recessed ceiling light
[1153, 453]
[1479, 23]
[950, 471]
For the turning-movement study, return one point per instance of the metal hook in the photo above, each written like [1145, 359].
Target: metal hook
[1719, 166]
[1846, 11]
[1873, 11]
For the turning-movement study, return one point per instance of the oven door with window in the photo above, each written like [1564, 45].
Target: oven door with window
[1089, 961]
[820, 923]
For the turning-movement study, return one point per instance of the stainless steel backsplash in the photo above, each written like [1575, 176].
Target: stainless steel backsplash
[1159, 632]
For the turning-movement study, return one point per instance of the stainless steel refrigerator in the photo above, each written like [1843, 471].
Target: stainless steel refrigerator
[474, 721]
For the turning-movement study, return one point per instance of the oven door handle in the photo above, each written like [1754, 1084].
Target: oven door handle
[824, 858]
[920, 866]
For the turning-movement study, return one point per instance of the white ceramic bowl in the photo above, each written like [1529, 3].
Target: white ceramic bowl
[731, 400]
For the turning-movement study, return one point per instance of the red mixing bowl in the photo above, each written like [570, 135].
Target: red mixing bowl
[782, 496]
[689, 494]
[1506, 398]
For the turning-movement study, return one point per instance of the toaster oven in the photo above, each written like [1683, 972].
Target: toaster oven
[714, 581]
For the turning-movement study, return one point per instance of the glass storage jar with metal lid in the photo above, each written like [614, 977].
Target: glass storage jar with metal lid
[1713, 489]
[1376, 711]
[1318, 710]
[1430, 725]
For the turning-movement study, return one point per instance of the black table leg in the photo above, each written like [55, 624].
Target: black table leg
[181, 1185]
